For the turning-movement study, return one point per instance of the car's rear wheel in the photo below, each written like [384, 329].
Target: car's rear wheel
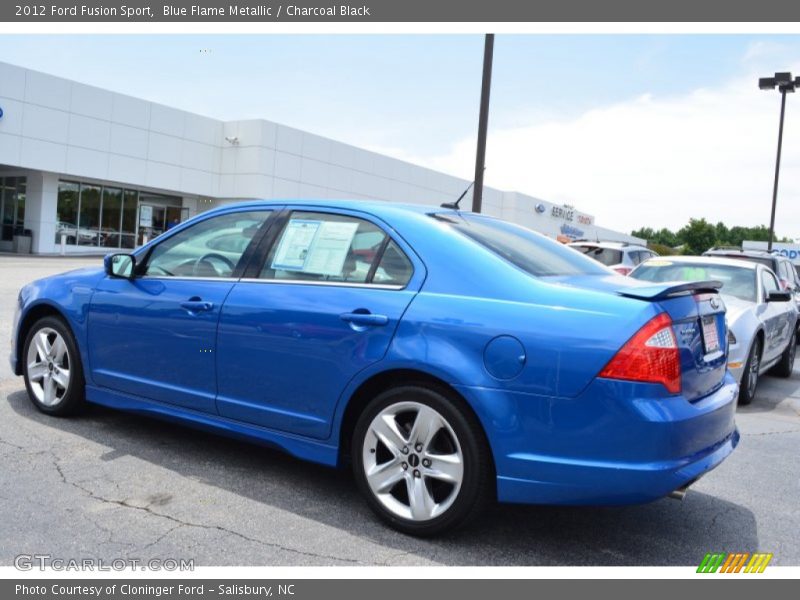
[421, 461]
[52, 368]
[785, 366]
[747, 388]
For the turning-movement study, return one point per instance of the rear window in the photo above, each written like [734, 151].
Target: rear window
[532, 252]
[606, 256]
[739, 282]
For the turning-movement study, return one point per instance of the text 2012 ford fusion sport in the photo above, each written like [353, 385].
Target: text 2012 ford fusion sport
[451, 358]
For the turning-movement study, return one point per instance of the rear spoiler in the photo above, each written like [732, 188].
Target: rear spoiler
[662, 291]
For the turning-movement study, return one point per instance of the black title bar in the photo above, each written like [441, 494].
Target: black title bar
[401, 11]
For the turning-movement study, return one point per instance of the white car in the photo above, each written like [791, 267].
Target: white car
[619, 256]
[761, 316]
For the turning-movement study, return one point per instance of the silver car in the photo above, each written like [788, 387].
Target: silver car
[761, 317]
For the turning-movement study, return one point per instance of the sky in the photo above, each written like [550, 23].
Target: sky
[638, 130]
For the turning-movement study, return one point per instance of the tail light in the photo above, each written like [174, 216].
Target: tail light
[650, 356]
[622, 270]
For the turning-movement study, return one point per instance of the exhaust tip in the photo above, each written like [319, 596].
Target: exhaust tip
[680, 493]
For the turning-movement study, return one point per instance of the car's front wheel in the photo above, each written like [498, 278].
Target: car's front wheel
[749, 383]
[52, 368]
[421, 461]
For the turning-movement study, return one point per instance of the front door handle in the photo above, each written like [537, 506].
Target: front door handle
[364, 319]
[195, 306]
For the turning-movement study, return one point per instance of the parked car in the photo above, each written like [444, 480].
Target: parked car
[620, 256]
[762, 319]
[468, 359]
[75, 235]
[780, 265]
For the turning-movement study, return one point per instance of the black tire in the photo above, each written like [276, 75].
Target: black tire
[748, 386]
[785, 366]
[478, 479]
[70, 400]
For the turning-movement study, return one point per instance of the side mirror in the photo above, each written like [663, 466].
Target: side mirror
[120, 265]
[779, 296]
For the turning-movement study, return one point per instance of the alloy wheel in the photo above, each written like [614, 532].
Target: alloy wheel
[413, 461]
[752, 376]
[48, 366]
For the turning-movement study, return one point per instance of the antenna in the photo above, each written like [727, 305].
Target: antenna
[454, 205]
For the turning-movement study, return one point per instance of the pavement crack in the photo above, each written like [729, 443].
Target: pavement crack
[181, 523]
[771, 433]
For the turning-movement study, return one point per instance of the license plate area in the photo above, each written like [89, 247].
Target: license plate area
[710, 334]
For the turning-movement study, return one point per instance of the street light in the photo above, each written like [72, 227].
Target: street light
[785, 84]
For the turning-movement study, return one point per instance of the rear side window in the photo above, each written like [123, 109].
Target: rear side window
[534, 253]
[605, 256]
[328, 247]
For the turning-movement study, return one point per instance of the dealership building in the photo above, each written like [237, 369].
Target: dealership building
[84, 169]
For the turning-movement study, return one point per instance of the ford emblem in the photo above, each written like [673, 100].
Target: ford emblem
[540, 208]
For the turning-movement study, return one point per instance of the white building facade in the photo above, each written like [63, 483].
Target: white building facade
[95, 170]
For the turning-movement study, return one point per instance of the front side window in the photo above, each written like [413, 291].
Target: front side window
[769, 282]
[534, 253]
[210, 248]
[328, 247]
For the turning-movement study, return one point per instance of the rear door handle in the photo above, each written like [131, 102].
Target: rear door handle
[195, 306]
[364, 318]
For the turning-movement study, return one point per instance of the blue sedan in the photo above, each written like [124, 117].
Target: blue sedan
[452, 359]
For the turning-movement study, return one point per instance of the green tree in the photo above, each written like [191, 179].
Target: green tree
[698, 236]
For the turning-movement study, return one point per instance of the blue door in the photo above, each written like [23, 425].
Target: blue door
[154, 335]
[323, 307]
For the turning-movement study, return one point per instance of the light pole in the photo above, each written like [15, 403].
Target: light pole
[785, 85]
[483, 121]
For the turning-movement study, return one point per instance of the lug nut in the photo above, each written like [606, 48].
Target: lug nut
[426, 462]
[416, 472]
[405, 449]
[418, 447]
[405, 466]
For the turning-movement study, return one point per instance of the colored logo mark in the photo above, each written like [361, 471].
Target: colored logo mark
[734, 563]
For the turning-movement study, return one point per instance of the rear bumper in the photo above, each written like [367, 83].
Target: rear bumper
[617, 443]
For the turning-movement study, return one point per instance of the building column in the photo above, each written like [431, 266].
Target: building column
[190, 202]
[41, 200]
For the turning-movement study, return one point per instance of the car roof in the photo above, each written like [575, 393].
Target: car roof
[742, 253]
[376, 207]
[715, 260]
[614, 245]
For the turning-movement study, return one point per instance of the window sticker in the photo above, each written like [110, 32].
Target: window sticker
[330, 248]
[293, 251]
[315, 247]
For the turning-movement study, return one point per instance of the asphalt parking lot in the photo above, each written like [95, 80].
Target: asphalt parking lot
[113, 485]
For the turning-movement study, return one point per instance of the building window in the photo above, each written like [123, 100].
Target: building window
[94, 215]
[111, 217]
[89, 216]
[12, 206]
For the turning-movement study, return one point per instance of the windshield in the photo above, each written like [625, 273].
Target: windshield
[606, 256]
[530, 251]
[739, 282]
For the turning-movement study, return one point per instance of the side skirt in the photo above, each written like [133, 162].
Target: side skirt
[300, 447]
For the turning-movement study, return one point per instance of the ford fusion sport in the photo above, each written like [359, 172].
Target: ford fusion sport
[450, 359]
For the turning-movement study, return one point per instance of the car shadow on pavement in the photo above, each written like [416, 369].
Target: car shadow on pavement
[776, 394]
[667, 532]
